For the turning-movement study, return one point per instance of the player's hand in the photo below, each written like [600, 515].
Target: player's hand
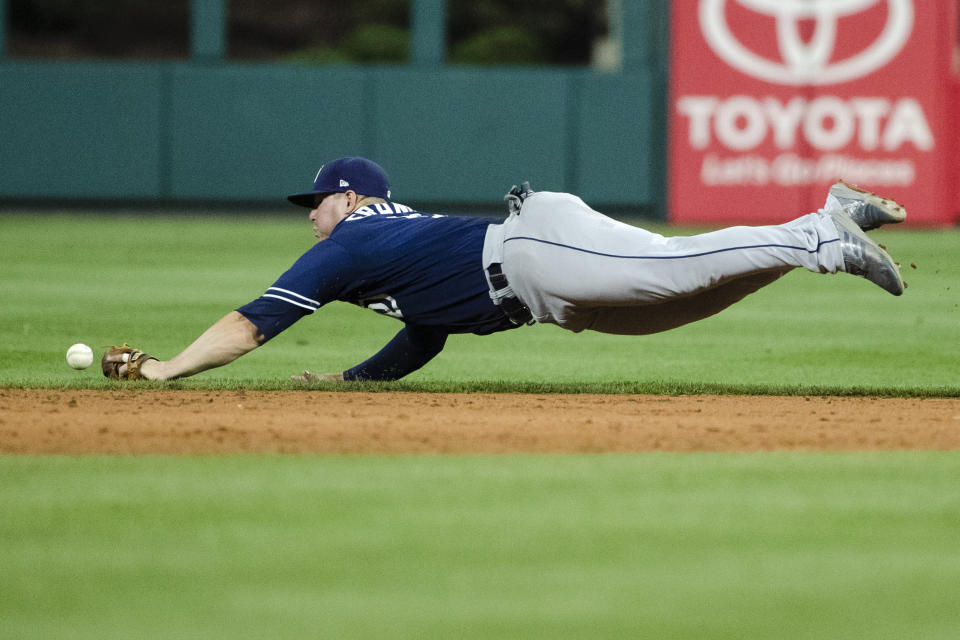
[307, 377]
[123, 362]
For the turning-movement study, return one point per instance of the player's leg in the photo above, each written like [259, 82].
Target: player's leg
[566, 261]
[563, 257]
[654, 318]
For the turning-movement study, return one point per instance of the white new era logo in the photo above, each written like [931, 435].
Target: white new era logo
[344, 183]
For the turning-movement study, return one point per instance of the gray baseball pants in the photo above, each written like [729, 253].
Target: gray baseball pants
[577, 268]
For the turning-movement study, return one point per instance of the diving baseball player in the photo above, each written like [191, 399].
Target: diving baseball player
[553, 260]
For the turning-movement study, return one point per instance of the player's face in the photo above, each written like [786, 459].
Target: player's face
[330, 210]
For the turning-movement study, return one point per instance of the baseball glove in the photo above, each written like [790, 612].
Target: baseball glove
[123, 362]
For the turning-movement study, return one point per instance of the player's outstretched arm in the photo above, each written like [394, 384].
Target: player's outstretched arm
[225, 341]
[410, 349]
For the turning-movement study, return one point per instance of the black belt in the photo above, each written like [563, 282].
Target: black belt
[516, 311]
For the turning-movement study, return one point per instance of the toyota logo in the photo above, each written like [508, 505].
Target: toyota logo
[807, 63]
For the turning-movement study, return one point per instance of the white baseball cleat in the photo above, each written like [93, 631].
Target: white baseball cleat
[516, 196]
[867, 209]
[864, 257]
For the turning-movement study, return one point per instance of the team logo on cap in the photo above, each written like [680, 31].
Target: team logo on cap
[807, 63]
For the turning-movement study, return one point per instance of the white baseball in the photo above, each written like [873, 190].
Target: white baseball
[79, 356]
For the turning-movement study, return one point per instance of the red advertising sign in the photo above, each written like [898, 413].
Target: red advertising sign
[774, 100]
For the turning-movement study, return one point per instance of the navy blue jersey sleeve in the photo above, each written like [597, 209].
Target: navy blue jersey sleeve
[315, 279]
[413, 347]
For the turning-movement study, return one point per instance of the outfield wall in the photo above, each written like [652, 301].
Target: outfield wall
[193, 132]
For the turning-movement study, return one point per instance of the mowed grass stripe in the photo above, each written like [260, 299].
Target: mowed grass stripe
[158, 281]
[666, 546]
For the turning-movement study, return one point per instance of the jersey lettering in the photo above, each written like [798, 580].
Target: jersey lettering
[384, 208]
[389, 210]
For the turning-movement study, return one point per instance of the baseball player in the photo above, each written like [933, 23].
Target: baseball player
[553, 260]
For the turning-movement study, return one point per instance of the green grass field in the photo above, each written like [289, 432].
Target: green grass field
[158, 282]
[798, 545]
[651, 546]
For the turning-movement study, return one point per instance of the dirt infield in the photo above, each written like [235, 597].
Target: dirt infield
[201, 422]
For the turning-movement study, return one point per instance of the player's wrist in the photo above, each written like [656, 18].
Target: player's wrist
[153, 369]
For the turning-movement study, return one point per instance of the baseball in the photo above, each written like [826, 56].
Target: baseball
[79, 356]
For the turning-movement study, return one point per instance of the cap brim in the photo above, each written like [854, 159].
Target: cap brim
[306, 199]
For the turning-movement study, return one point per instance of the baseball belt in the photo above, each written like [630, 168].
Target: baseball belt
[512, 307]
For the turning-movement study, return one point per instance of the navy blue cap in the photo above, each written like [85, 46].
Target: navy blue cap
[363, 176]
